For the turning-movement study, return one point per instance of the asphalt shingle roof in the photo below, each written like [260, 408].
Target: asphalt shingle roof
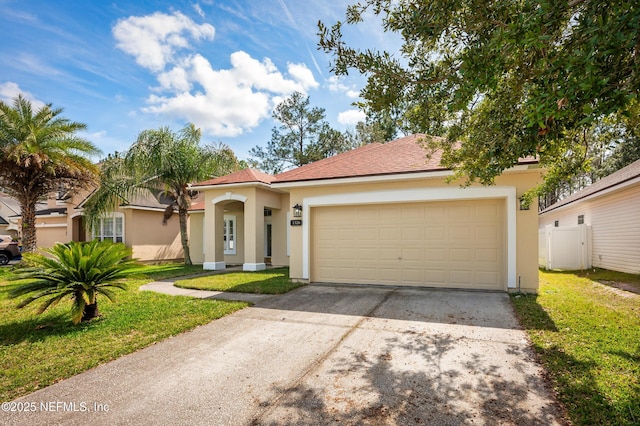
[404, 155]
[242, 176]
[626, 173]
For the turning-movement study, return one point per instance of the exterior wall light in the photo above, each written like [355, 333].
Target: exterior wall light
[297, 210]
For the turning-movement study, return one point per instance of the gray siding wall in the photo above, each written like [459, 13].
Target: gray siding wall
[615, 221]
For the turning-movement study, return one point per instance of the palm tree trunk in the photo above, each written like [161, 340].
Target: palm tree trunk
[184, 236]
[90, 312]
[29, 242]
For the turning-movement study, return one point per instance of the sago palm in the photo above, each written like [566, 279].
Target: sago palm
[78, 271]
[39, 152]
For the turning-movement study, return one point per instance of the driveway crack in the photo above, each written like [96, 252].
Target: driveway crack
[274, 404]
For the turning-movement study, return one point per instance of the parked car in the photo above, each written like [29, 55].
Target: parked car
[9, 249]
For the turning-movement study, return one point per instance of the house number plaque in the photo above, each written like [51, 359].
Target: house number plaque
[296, 222]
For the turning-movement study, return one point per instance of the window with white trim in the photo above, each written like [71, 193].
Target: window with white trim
[110, 228]
[230, 225]
[580, 219]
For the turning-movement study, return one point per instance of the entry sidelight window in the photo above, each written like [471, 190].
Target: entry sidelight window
[230, 234]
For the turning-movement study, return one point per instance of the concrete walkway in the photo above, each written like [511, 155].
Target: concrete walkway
[167, 287]
[320, 355]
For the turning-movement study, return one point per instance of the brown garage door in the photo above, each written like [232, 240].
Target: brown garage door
[435, 244]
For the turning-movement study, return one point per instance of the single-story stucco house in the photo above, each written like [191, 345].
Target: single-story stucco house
[138, 224]
[611, 209]
[380, 214]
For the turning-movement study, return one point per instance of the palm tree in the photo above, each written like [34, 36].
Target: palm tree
[160, 160]
[39, 153]
[81, 271]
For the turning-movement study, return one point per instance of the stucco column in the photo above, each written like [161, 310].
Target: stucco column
[214, 237]
[253, 235]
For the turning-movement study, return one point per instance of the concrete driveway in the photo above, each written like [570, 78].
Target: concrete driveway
[321, 355]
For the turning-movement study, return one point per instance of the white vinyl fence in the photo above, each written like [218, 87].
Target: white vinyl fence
[564, 247]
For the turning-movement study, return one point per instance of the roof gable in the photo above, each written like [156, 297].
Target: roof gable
[242, 176]
[623, 175]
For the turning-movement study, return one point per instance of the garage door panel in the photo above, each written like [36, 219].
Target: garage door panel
[390, 253]
[410, 233]
[489, 255]
[460, 255]
[367, 254]
[447, 244]
[487, 233]
[412, 254]
[389, 234]
[487, 278]
[460, 277]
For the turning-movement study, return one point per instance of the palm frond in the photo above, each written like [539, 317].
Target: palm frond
[82, 271]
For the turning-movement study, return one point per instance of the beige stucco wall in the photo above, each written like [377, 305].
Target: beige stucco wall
[196, 241]
[250, 227]
[614, 218]
[149, 239]
[51, 230]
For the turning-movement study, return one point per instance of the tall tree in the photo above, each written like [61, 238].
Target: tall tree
[302, 137]
[39, 152]
[510, 78]
[160, 160]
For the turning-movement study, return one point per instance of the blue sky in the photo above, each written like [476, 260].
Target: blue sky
[122, 67]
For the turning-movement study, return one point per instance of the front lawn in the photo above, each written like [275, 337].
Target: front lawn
[269, 281]
[588, 337]
[39, 350]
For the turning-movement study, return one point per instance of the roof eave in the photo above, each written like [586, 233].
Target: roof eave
[232, 185]
[387, 177]
[603, 191]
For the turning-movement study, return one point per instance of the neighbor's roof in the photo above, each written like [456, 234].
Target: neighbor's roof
[243, 176]
[623, 175]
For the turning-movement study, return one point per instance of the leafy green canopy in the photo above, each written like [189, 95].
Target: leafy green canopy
[39, 153]
[79, 271]
[164, 162]
[508, 78]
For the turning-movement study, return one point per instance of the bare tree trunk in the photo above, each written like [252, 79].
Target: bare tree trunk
[29, 242]
[90, 312]
[184, 236]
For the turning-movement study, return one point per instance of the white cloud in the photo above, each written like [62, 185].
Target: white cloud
[353, 94]
[95, 135]
[230, 101]
[222, 102]
[10, 90]
[155, 39]
[198, 9]
[351, 117]
[335, 84]
[303, 74]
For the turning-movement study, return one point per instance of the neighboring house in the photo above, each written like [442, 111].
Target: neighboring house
[9, 208]
[380, 214]
[611, 208]
[137, 224]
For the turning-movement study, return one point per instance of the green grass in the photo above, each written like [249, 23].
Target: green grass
[588, 338]
[270, 281]
[39, 350]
